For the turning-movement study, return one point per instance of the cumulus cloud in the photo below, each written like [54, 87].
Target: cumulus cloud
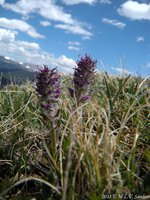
[7, 35]
[74, 43]
[73, 2]
[19, 25]
[28, 45]
[45, 23]
[122, 71]
[67, 64]
[140, 39]
[105, 1]
[90, 2]
[75, 46]
[135, 10]
[75, 29]
[48, 10]
[114, 22]
[31, 52]
[2, 2]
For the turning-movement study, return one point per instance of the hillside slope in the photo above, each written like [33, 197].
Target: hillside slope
[13, 71]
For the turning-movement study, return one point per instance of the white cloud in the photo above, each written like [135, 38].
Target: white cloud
[48, 10]
[114, 22]
[122, 71]
[75, 29]
[90, 2]
[73, 2]
[19, 25]
[2, 2]
[29, 45]
[45, 23]
[74, 46]
[85, 37]
[105, 1]
[74, 43]
[7, 35]
[67, 64]
[140, 39]
[27, 52]
[135, 10]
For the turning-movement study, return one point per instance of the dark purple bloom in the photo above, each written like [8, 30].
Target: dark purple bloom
[47, 107]
[48, 90]
[83, 79]
[84, 99]
[71, 91]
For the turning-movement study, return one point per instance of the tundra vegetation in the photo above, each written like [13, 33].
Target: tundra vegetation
[75, 137]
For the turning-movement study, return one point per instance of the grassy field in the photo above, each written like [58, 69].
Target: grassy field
[100, 149]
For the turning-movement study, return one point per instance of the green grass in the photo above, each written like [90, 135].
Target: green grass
[100, 148]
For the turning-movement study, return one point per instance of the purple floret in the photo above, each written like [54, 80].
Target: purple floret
[48, 90]
[83, 79]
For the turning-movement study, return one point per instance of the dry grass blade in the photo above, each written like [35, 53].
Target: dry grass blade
[25, 180]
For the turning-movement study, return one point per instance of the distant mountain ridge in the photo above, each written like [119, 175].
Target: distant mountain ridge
[14, 71]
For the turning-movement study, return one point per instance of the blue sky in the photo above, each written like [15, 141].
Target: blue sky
[57, 32]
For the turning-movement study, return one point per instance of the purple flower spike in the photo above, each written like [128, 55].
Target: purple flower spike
[47, 107]
[48, 90]
[84, 99]
[83, 79]
[71, 91]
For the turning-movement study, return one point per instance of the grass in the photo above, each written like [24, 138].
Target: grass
[100, 149]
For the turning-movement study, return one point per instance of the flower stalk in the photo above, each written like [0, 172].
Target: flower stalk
[83, 79]
[49, 91]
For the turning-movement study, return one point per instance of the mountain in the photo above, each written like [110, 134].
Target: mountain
[14, 71]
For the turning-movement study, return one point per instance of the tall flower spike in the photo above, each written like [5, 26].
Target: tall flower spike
[83, 79]
[48, 90]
